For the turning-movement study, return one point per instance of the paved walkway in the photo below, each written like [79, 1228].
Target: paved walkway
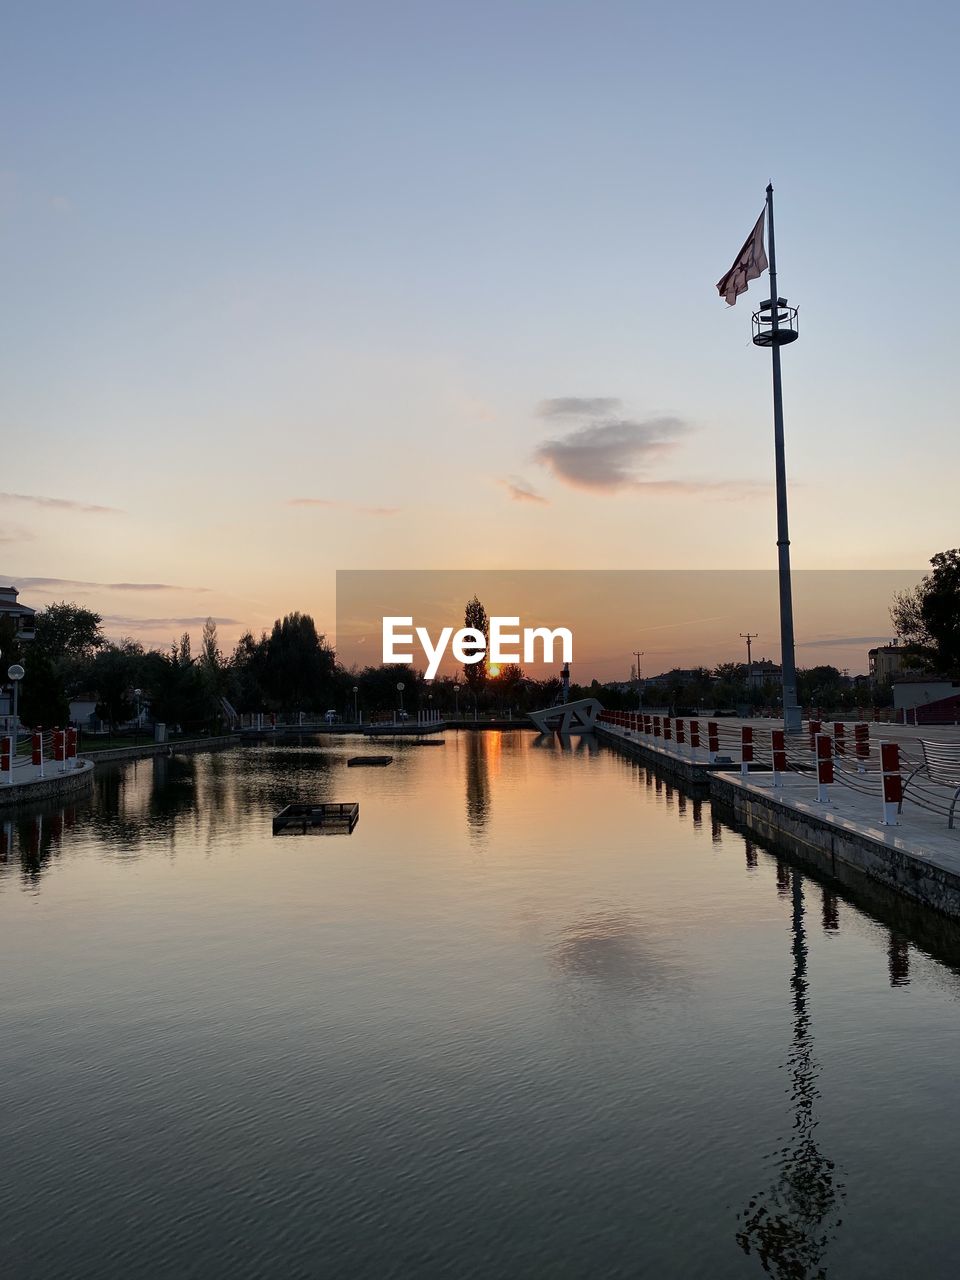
[919, 833]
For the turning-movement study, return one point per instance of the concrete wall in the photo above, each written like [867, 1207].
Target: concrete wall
[57, 784]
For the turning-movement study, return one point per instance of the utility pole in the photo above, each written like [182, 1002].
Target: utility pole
[749, 637]
[638, 654]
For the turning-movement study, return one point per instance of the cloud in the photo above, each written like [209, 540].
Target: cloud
[61, 504]
[336, 502]
[605, 456]
[578, 407]
[145, 624]
[745, 489]
[522, 491]
[40, 584]
[839, 642]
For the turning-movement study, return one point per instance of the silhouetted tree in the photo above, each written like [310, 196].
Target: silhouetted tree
[928, 617]
[475, 673]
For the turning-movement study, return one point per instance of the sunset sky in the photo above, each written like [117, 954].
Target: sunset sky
[302, 287]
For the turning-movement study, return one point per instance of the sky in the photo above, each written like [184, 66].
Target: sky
[295, 288]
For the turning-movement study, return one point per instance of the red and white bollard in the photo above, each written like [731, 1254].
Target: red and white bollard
[892, 783]
[861, 735]
[36, 754]
[840, 738]
[667, 730]
[657, 727]
[681, 737]
[71, 743]
[814, 727]
[778, 741]
[713, 740]
[694, 739]
[60, 749]
[824, 767]
[6, 758]
[746, 748]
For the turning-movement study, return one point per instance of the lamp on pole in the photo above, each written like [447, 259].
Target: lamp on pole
[16, 674]
[356, 704]
[400, 688]
[456, 694]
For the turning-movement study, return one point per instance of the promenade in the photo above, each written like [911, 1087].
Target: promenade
[840, 826]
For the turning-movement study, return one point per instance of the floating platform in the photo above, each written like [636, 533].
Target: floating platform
[357, 762]
[299, 819]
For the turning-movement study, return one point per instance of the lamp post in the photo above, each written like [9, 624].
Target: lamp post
[138, 693]
[430, 706]
[456, 694]
[16, 674]
[400, 688]
[356, 704]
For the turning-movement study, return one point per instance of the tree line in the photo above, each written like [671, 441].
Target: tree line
[292, 668]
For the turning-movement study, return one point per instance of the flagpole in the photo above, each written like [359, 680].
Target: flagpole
[792, 716]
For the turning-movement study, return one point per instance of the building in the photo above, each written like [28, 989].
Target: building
[762, 672]
[21, 615]
[926, 700]
[887, 661]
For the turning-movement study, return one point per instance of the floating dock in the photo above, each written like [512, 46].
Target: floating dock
[368, 762]
[332, 818]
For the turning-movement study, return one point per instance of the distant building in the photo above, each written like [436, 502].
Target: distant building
[21, 615]
[763, 671]
[887, 661]
[911, 692]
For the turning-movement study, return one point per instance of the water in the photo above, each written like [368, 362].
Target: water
[539, 1015]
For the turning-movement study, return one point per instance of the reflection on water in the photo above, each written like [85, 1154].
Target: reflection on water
[790, 1225]
[610, 947]
[898, 952]
[384, 1055]
[478, 781]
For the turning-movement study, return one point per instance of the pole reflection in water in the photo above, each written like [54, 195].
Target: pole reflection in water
[750, 849]
[783, 879]
[790, 1225]
[830, 906]
[898, 959]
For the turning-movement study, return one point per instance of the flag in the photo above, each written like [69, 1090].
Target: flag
[750, 264]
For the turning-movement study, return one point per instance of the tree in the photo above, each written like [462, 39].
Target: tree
[299, 665]
[115, 672]
[928, 617]
[68, 631]
[475, 673]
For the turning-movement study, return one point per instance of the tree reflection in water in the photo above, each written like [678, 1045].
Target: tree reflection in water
[790, 1225]
[478, 783]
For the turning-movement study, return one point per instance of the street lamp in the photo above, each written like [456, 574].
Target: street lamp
[138, 694]
[430, 708]
[16, 674]
[456, 694]
[356, 705]
[400, 688]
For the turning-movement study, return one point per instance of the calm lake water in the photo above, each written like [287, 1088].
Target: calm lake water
[539, 1015]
